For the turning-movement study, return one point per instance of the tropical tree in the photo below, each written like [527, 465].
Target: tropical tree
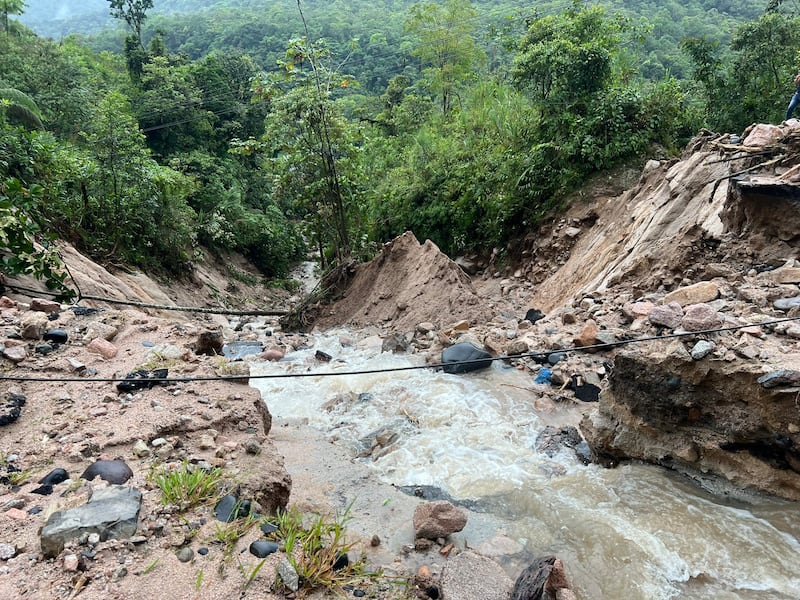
[446, 46]
[133, 12]
[21, 107]
[10, 7]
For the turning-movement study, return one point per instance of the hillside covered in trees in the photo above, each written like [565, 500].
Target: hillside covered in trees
[266, 127]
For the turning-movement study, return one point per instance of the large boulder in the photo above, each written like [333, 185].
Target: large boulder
[464, 357]
[111, 512]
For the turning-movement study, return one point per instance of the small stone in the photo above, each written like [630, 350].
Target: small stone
[45, 306]
[588, 334]
[438, 519]
[556, 357]
[98, 411]
[140, 449]
[71, 562]
[202, 551]
[7, 551]
[185, 554]
[268, 528]
[702, 349]
[272, 354]
[701, 317]
[93, 539]
[102, 347]
[16, 514]
[120, 572]
[288, 575]
[262, 548]
[57, 336]
[669, 315]
[252, 446]
[15, 354]
[207, 442]
[375, 541]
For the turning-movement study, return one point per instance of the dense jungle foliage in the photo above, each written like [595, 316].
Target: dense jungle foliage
[269, 126]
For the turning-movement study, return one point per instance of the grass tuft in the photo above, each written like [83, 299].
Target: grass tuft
[187, 485]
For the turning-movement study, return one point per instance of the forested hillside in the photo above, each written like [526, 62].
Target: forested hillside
[266, 127]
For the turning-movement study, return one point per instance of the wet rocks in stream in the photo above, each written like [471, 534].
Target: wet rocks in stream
[464, 357]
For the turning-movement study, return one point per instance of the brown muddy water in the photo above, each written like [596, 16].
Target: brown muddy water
[636, 532]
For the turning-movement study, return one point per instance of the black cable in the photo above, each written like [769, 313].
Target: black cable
[603, 346]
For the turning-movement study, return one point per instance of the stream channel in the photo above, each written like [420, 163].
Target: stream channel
[637, 532]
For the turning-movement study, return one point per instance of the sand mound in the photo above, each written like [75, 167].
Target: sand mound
[406, 284]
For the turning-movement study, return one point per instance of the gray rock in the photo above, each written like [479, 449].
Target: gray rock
[464, 351]
[7, 551]
[433, 520]
[781, 377]
[786, 304]
[240, 349]
[702, 349]
[185, 554]
[541, 580]
[288, 575]
[470, 576]
[111, 512]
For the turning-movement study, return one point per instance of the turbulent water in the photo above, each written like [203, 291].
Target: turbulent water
[631, 533]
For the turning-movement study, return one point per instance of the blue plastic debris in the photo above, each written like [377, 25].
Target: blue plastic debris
[543, 376]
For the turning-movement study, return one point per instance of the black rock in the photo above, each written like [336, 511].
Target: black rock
[35, 510]
[53, 316]
[530, 584]
[533, 315]
[43, 349]
[55, 477]
[588, 392]
[57, 336]
[359, 593]
[43, 490]
[464, 357]
[262, 548]
[268, 528]
[322, 356]
[11, 409]
[229, 508]
[202, 551]
[82, 311]
[433, 592]
[556, 357]
[342, 561]
[112, 471]
[141, 379]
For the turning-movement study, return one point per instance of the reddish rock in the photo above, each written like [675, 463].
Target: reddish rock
[701, 317]
[637, 310]
[102, 347]
[6, 302]
[272, 354]
[15, 354]
[669, 315]
[588, 335]
[433, 520]
[45, 306]
[16, 514]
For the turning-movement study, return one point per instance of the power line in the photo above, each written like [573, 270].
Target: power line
[534, 355]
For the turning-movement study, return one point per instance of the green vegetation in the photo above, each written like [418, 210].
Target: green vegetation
[187, 486]
[314, 544]
[263, 126]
